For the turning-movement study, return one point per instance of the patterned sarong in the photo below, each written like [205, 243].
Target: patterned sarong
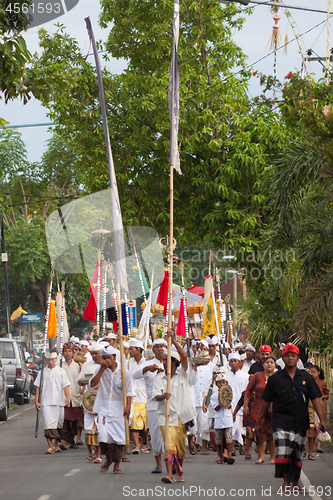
[289, 447]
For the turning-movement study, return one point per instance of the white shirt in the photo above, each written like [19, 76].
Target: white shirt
[109, 401]
[88, 356]
[205, 373]
[280, 363]
[54, 382]
[181, 405]
[246, 365]
[138, 385]
[238, 382]
[223, 417]
[149, 379]
[88, 368]
[72, 371]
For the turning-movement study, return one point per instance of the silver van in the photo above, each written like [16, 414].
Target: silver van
[17, 374]
[3, 393]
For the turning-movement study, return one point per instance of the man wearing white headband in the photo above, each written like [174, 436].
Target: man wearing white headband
[54, 396]
[90, 420]
[238, 381]
[148, 372]
[139, 402]
[250, 353]
[109, 405]
[181, 407]
[214, 352]
[84, 346]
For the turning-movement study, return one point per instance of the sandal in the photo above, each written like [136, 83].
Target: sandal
[117, 471]
[272, 462]
[193, 450]
[73, 446]
[167, 480]
[233, 453]
[219, 461]
[248, 456]
[204, 452]
[98, 460]
[79, 442]
[89, 457]
[259, 461]
[49, 451]
[242, 452]
[311, 457]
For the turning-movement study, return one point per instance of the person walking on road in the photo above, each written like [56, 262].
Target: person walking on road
[290, 390]
[54, 396]
[109, 405]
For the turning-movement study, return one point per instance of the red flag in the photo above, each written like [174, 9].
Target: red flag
[181, 330]
[162, 297]
[90, 310]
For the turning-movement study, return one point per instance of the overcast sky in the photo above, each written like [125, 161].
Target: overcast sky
[253, 39]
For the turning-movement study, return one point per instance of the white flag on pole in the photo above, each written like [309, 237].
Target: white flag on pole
[173, 97]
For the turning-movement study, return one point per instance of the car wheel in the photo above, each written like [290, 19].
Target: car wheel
[27, 396]
[4, 413]
[19, 399]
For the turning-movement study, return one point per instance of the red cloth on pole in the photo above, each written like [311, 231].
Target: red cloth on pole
[91, 309]
[162, 297]
[181, 329]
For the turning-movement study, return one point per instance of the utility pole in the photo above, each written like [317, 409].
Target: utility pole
[4, 258]
[275, 4]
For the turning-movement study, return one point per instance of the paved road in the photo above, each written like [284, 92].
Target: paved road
[26, 473]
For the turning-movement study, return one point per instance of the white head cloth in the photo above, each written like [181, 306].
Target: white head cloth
[234, 355]
[95, 347]
[250, 347]
[84, 342]
[204, 342]
[212, 341]
[136, 343]
[160, 342]
[107, 351]
[221, 376]
[174, 353]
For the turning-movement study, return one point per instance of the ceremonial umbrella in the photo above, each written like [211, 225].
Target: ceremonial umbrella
[194, 304]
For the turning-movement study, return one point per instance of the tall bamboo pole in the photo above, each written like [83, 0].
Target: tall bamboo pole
[170, 257]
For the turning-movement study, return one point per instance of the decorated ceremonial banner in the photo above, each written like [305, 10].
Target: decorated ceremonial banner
[209, 322]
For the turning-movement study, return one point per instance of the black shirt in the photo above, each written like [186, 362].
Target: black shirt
[290, 399]
[256, 367]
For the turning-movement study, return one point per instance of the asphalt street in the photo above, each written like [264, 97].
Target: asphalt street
[26, 473]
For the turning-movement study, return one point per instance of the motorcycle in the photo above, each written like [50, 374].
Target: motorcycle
[33, 372]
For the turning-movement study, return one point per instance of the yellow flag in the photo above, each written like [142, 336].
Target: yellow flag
[209, 322]
[52, 326]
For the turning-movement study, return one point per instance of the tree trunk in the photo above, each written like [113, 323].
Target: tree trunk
[40, 294]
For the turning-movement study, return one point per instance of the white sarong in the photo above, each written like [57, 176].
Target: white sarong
[111, 430]
[53, 416]
[157, 443]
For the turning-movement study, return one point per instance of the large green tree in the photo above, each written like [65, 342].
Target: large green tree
[224, 143]
[29, 193]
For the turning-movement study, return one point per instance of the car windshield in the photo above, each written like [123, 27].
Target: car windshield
[7, 350]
